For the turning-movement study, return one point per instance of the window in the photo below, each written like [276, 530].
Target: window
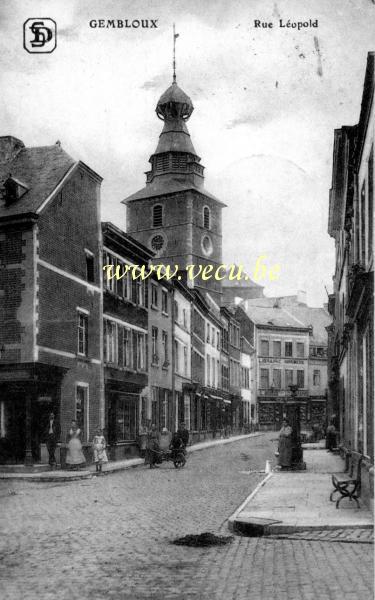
[90, 271]
[164, 410]
[138, 292]
[82, 410]
[126, 347]
[126, 418]
[316, 377]
[213, 378]
[177, 356]
[300, 350]
[154, 296]
[185, 360]
[264, 348]
[245, 377]
[154, 342]
[288, 349]
[208, 361]
[218, 340]
[164, 343]
[164, 302]
[277, 348]
[140, 351]
[206, 217]
[217, 374]
[276, 379]
[83, 326]
[320, 351]
[301, 379]
[187, 411]
[184, 317]
[157, 215]
[224, 377]
[175, 304]
[264, 378]
[110, 334]
[207, 333]
[288, 378]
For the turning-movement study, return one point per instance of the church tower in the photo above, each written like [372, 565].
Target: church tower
[173, 214]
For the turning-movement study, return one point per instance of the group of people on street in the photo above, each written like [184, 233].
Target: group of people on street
[157, 443]
[75, 459]
[285, 442]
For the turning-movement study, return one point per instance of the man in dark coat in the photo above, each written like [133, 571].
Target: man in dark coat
[183, 434]
[53, 432]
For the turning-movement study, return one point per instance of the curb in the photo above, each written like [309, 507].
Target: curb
[58, 476]
[263, 527]
[232, 521]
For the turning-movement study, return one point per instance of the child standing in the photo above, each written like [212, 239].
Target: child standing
[99, 446]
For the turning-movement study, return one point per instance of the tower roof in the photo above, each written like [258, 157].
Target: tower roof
[175, 138]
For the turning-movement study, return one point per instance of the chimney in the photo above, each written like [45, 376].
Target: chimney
[9, 148]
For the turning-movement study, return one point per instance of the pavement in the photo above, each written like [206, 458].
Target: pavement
[59, 475]
[111, 537]
[287, 502]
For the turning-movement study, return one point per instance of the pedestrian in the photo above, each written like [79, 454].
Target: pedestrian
[184, 434]
[75, 457]
[99, 445]
[331, 436]
[152, 447]
[285, 445]
[165, 439]
[53, 431]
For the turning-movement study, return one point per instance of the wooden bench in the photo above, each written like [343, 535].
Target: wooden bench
[349, 484]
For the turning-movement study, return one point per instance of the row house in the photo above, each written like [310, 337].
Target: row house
[50, 298]
[287, 355]
[248, 392]
[160, 356]
[350, 224]
[125, 341]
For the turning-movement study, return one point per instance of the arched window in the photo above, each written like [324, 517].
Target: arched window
[157, 215]
[206, 217]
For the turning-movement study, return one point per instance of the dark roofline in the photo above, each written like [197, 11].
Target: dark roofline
[120, 237]
[282, 327]
[20, 217]
[90, 171]
[157, 194]
[367, 99]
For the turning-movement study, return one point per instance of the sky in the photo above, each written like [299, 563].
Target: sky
[266, 100]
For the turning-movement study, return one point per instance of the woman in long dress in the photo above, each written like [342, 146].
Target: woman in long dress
[75, 457]
[285, 445]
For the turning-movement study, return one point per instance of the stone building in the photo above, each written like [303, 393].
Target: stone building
[291, 348]
[351, 335]
[50, 297]
[174, 215]
[125, 342]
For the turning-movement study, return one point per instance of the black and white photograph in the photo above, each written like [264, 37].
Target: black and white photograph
[187, 299]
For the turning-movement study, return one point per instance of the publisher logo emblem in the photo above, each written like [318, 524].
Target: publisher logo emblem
[39, 35]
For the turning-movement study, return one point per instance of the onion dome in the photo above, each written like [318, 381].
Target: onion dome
[174, 104]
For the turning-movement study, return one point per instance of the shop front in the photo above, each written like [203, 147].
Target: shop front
[28, 394]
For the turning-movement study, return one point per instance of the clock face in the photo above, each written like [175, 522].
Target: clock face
[207, 245]
[157, 242]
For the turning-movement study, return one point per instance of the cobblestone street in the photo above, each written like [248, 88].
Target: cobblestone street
[110, 537]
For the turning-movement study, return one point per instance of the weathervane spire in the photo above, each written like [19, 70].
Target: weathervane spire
[175, 36]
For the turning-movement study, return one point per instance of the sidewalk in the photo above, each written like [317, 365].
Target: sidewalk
[112, 466]
[287, 501]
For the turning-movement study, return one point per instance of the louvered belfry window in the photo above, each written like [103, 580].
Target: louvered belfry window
[157, 215]
[206, 217]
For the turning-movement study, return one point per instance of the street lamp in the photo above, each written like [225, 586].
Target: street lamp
[297, 452]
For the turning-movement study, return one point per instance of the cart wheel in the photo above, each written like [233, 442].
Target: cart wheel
[179, 461]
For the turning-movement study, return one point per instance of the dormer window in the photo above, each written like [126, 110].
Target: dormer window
[206, 217]
[157, 215]
[14, 189]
